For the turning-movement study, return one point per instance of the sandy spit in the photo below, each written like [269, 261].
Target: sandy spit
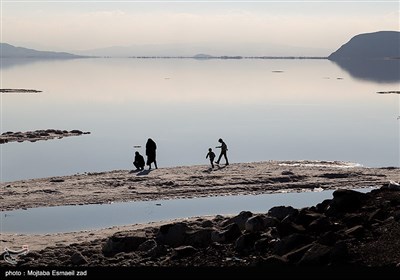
[190, 182]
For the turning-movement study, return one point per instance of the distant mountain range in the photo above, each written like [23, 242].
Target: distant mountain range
[9, 51]
[377, 45]
[212, 50]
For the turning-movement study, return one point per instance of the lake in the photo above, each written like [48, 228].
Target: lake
[264, 109]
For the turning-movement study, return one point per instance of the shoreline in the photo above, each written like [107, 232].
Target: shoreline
[205, 238]
[189, 182]
[352, 229]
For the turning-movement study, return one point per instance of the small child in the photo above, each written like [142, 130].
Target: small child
[211, 155]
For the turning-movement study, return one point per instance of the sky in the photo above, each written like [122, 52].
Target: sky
[252, 27]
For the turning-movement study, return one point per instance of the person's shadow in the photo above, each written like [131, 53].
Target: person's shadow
[144, 172]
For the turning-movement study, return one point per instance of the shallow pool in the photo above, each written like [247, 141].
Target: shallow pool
[96, 216]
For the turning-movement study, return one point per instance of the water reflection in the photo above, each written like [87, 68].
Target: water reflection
[96, 216]
[7, 63]
[380, 71]
[305, 112]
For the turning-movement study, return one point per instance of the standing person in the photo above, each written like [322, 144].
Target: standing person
[139, 161]
[224, 149]
[151, 152]
[211, 155]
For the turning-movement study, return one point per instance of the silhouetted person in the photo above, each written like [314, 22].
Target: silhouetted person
[151, 152]
[211, 155]
[224, 149]
[139, 161]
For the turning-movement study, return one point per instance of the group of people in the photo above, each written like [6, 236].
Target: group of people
[151, 147]
[224, 149]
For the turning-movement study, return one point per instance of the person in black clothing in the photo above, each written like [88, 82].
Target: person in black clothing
[139, 161]
[224, 149]
[211, 155]
[151, 152]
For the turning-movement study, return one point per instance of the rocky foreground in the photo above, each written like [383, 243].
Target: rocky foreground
[352, 229]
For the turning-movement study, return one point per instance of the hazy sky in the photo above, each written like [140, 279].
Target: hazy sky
[79, 25]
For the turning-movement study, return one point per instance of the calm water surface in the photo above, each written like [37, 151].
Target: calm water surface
[263, 109]
[87, 217]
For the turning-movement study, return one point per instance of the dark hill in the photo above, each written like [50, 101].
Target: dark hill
[376, 45]
[10, 51]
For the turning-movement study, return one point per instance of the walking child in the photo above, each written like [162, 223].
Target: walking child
[211, 155]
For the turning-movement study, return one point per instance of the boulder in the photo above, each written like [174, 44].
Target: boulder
[172, 234]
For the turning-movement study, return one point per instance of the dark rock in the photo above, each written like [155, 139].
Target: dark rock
[199, 238]
[172, 234]
[245, 242]
[262, 245]
[280, 212]
[291, 242]
[75, 131]
[353, 219]
[322, 224]
[240, 219]
[317, 255]
[347, 200]
[305, 217]
[356, 231]
[121, 242]
[329, 238]
[207, 224]
[297, 254]
[287, 228]
[78, 259]
[323, 206]
[255, 223]
[228, 234]
[183, 251]
[147, 245]
[270, 221]
[270, 233]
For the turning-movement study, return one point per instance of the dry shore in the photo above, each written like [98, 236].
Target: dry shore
[189, 182]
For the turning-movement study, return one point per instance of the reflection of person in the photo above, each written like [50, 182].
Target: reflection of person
[139, 161]
[224, 149]
[211, 155]
[151, 152]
